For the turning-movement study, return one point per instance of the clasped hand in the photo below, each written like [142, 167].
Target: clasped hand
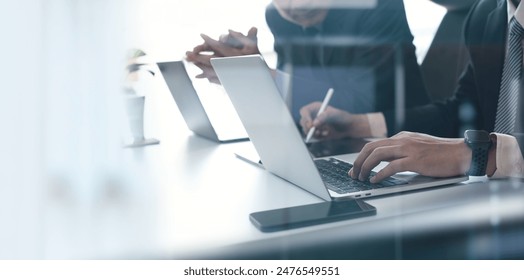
[231, 44]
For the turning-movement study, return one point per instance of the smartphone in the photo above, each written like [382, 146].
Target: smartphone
[311, 214]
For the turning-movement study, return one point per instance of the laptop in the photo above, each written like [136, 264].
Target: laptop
[224, 130]
[282, 150]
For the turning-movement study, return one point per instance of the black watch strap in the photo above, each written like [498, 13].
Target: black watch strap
[479, 142]
[479, 161]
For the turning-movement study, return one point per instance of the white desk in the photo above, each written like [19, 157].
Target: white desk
[190, 198]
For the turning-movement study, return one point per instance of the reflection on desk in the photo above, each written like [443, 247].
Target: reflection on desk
[473, 221]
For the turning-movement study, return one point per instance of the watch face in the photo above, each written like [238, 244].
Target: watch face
[476, 136]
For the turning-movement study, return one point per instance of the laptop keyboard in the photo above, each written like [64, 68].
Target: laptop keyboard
[334, 173]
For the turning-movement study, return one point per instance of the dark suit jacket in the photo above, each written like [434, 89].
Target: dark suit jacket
[478, 89]
[474, 104]
[353, 51]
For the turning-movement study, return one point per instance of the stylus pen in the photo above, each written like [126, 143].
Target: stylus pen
[320, 111]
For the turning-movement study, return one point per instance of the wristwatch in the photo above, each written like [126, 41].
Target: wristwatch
[479, 143]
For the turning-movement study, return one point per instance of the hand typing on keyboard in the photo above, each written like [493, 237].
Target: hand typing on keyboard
[334, 172]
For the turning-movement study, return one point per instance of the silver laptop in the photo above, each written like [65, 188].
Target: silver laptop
[277, 140]
[226, 129]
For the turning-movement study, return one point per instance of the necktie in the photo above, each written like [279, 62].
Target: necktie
[511, 80]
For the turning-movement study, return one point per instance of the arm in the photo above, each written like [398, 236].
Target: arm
[441, 118]
[421, 153]
[434, 156]
[436, 118]
[508, 157]
[437, 157]
[232, 44]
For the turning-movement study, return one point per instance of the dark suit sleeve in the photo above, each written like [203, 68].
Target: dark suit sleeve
[450, 117]
[442, 118]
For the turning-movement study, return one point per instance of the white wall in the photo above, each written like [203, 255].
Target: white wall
[166, 29]
[61, 90]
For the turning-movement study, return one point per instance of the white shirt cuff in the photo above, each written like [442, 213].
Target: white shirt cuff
[377, 125]
[509, 158]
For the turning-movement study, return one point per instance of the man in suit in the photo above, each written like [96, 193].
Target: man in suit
[352, 50]
[493, 34]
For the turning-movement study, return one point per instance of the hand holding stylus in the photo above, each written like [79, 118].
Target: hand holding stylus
[329, 94]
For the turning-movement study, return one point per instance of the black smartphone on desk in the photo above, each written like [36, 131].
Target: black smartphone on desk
[310, 214]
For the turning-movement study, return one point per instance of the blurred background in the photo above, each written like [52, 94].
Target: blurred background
[63, 170]
[167, 28]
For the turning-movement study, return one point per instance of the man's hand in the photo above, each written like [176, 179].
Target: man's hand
[408, 151]
[231, 44]
[333, 123]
